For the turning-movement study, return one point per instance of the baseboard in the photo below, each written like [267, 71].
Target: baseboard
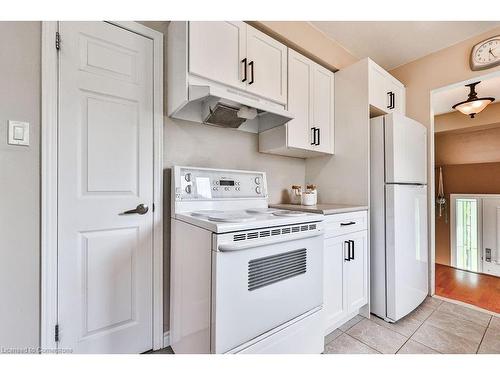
[166, 339]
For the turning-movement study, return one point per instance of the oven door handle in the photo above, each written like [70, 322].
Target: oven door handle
[227, 247]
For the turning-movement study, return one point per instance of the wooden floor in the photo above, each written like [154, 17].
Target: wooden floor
[474, 288]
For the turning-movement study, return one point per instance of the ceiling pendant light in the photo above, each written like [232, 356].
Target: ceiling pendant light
[473, 105]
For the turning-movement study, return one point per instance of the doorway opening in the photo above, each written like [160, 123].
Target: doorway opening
[467, 196]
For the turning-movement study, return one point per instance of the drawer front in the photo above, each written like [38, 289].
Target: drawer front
[339, 224]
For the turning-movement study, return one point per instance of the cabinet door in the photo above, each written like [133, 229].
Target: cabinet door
[379, 96]
[299, 100]
[334, 301]
[398, 91]
[216, 51]
[357, 272]
[323, 116]
[267, 66]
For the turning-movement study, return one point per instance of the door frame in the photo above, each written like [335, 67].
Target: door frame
[49, 178]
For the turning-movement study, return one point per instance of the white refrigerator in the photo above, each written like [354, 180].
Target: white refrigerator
[398, 216]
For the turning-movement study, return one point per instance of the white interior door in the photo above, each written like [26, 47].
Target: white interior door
[105, 167]
[491, 236]
[267, 66]
[406, 248]
[216, 51]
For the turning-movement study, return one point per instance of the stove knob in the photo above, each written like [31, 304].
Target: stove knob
[257, 180]
[188, 177]
[258, 190]
[188, 189]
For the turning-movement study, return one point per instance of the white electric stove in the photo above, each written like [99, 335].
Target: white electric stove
[244, 278]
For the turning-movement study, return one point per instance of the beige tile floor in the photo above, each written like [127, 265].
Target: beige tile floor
[434, 327]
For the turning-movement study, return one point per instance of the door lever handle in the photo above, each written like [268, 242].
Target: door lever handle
[141, 209]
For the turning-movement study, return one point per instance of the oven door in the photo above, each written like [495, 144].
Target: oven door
[256, 289]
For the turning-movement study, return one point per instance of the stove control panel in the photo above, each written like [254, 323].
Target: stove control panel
[212, 184]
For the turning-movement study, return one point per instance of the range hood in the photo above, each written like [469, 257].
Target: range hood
[231, 108]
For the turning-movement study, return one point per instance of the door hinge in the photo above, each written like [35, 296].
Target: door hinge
[58, 40]
[56, 333]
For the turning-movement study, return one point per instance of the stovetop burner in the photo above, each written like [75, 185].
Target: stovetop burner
[231, 217]
[206, 213]
[289, 213]
[261, 211]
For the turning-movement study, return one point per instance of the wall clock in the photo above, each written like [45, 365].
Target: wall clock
[485, 54]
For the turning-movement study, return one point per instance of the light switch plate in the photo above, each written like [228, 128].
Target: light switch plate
[19, 133]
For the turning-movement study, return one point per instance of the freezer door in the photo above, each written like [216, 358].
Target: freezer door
[406, 248]
[405, 150]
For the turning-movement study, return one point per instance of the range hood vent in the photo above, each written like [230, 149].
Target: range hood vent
[222, 106]
[224, 115]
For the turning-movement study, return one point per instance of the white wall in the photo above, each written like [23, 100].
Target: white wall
[19, 186]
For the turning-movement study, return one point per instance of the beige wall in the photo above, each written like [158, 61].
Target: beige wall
[308, 40]
[19, 186]
[478, 146]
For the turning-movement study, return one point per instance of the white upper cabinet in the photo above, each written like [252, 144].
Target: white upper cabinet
[267, 66]
[398, 92]
[387, 94]
[238, 55]
[311, 101]
[216, 50]
[300, 101]
[322, 109]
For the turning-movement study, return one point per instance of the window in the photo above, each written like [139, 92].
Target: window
[465, 233]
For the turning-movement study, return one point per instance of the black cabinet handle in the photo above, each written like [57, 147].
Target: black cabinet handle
[348, 257]
[349, 223]
[313, 142]
[319, 139]
[250, 64]
[393, 100]
[351, 247]
[244, 62]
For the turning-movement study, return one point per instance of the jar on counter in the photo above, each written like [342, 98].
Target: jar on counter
[296, 194]
[310, 196]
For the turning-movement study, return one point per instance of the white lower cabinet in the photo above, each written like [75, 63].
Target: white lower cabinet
[345, 273]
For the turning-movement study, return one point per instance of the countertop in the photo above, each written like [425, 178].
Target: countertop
[325, 209]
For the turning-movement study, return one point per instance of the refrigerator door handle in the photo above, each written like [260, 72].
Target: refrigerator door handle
[351, 250]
